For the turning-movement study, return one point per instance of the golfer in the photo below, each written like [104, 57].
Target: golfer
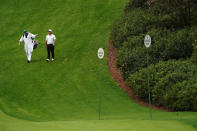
[50, 44]
[28, 40]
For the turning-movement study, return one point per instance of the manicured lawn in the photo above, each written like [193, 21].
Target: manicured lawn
[67, 90]
[11, 124]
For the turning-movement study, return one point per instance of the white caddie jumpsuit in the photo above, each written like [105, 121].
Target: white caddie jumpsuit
[28, 44]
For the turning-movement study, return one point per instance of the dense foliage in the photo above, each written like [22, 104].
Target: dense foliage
[172, 24]
[194, 55]
[173, 85]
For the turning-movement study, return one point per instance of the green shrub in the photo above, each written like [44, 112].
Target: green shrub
[194, 54]
[167, 42]
[132, 24]
[166, 45]
[173, 85]
[131, 59]
[172, 45]
[172, 27]
[136, 4]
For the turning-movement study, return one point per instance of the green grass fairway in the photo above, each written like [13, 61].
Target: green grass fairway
[12, 124]
[64, 95]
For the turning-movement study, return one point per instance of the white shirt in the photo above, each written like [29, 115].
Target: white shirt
[50, 39]
[28, 41]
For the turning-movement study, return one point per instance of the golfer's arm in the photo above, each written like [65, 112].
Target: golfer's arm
[21, 40]
[54, 41]
[45, 43]
[34, 36]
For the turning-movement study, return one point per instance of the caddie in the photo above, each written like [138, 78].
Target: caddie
[28, 38]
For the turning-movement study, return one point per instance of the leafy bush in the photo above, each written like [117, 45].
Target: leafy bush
[132, 24]
[165, 46]
[194, 54]
[172, 25]
[136, 4]
[173, 85]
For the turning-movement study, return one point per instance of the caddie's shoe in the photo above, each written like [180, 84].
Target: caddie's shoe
[53, 59]
[28, 61]
[47, 60]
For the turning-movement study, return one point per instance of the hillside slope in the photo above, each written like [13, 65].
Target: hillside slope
[68, 88]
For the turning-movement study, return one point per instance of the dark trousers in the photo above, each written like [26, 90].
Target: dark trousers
[50, 49]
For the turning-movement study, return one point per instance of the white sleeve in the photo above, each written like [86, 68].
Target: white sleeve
[46, 38]
[54, 37]
[33, 36]
[21, 39]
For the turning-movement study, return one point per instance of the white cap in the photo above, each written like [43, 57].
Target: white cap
[49, 30]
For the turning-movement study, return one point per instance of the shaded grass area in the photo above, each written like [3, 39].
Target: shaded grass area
[89, 125]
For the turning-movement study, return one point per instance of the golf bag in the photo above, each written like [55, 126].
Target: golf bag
[35, 42]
